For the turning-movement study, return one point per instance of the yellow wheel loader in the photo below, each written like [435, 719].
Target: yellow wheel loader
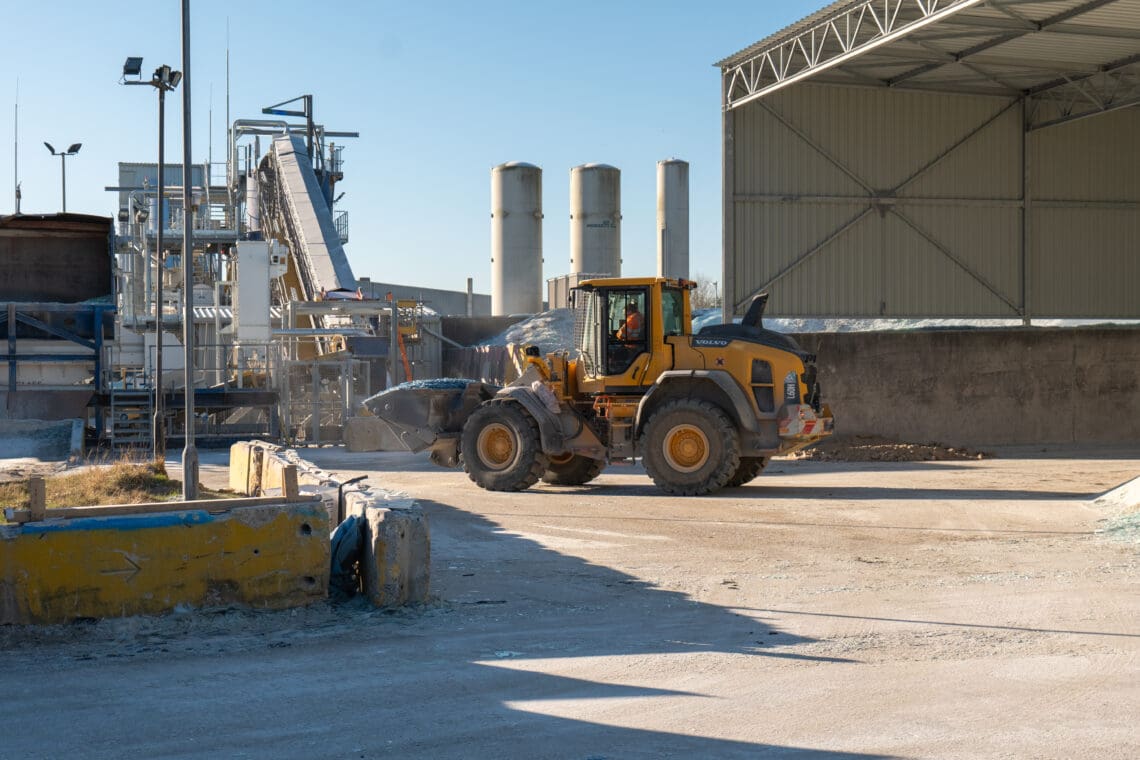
[702, 412]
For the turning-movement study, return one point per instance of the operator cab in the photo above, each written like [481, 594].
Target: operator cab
[619, 328]
[612, 328]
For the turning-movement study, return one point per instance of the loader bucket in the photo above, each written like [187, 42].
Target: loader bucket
[419, 412]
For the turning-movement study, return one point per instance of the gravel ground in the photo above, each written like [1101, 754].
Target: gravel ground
[866, 448]
[943, 609]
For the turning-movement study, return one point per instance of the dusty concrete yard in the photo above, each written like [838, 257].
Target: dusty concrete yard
[954, 609]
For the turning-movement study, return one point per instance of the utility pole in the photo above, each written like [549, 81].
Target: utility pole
[16, 148]
[190, 451]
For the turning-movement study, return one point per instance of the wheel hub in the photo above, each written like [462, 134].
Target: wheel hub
[496, 446]
[686, 448]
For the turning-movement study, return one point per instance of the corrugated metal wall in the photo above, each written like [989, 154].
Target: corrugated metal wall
[1085, 234]
[872, 202]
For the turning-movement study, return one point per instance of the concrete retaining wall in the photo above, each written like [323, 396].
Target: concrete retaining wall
[439, 301]
[491, 364]
[468, 331]
[984, 387]
[958, 387]
[271, 555]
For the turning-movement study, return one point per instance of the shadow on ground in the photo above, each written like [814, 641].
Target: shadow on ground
[475, 674]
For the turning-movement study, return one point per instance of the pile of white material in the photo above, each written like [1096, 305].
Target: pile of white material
[1123, 507]
[553, 330]
[704, 317]
[1124, 499]
[1123, 503]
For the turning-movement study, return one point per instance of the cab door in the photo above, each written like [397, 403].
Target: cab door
[612, 353]
[627, 320]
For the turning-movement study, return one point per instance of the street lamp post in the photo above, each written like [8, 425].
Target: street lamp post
[63, 154]
[163, 80]
[189, 451]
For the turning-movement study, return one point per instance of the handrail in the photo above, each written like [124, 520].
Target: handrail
[248, 127]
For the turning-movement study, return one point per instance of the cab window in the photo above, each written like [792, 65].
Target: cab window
[627, 328]
[587, 326]
[672, 311]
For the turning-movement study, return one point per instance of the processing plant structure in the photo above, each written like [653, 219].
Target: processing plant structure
[286, 341]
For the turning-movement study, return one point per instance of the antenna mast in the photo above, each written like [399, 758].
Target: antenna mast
[16, 150]
[231, 154]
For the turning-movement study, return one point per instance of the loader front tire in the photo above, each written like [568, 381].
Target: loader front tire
[501, 447]
[573, 470]
[690, 448]
[749, 468]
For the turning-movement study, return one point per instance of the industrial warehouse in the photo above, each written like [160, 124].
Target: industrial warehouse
[869, 489]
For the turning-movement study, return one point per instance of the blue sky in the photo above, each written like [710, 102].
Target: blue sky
[440, 93]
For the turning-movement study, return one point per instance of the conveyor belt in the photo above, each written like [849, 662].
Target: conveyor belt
[318, 247]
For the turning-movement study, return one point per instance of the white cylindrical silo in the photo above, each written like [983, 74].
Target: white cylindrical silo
[595, 220]
[516, 239]
[673, 218]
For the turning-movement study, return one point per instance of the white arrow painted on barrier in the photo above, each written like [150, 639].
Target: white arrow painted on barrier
[128, 572]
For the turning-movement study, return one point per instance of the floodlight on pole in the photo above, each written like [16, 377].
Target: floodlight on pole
[63, 154]
[164, 80]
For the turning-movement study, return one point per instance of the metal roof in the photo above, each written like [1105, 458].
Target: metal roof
[1069, 58]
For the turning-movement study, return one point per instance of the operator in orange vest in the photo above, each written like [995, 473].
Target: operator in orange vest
[633, 329]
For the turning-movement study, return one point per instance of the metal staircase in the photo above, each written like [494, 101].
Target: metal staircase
[132, 414]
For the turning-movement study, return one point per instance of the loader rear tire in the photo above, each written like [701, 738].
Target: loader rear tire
[749, 468]
[690, 448]
[502, 450]
[572, 471]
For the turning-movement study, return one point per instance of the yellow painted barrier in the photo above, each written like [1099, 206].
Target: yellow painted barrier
[395, 568]
[271, 556]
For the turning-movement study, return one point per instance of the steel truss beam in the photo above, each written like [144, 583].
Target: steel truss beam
[1071, 92]
[862, 27]
[1115, 86]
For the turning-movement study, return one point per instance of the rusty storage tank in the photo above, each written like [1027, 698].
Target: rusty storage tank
[516, 239]
[595, 219]
[673, 218]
